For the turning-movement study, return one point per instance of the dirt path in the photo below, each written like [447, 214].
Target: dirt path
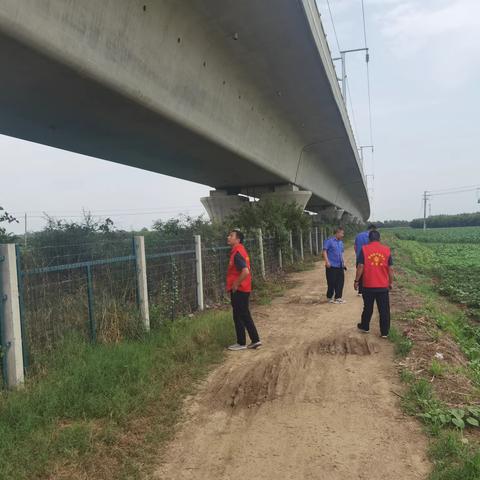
[316, 402]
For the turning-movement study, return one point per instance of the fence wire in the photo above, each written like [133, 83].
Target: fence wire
[90, 290]
[171, 279]
[73, 289]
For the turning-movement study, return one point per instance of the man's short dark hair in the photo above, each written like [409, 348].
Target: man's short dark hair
[371, 227]
[339, 229]
[239, 234]
[374, 236]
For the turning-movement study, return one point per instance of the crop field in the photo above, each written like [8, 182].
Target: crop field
[440, 235]
[452, 256]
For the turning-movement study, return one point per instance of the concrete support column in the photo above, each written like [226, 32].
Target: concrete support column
[280, 259]
[316, 241]
[219, 205]
[10, 326]
[287, 194]
[347, 218]
[310, 243]
[142, 287]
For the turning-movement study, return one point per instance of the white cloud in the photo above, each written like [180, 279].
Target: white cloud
[445, 35]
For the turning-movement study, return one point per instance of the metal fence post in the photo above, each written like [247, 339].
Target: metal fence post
[291, 245]
[199, 270]
[316, 241]
[301, 245]
[262, 257]
[142, 286]
[11, 331]
[310, 243]
[90, 299]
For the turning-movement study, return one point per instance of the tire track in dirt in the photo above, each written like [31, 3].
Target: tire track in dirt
[315, 402]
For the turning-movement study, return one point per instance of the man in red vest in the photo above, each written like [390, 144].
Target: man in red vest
[239, 285]
[376, 271]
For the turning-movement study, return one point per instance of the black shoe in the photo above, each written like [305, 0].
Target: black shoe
[254, 344]
[359, 326]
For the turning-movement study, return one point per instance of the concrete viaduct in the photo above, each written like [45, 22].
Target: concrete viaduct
[238, 95]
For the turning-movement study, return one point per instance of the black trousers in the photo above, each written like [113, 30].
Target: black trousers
[335, 281]
[242, 317]
[370, 296]
[360, 283]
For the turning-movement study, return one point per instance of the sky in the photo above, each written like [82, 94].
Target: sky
[424, 77]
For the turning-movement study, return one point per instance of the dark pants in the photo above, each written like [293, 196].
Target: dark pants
[242, 318]
[360, 283]
[370, 296]
[335, 281]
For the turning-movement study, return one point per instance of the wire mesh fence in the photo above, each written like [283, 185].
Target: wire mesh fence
[171, 280]
[271, 255]
[76, 289]
[91, 290]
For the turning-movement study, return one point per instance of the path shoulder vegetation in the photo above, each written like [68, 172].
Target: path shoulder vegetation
[437, 343]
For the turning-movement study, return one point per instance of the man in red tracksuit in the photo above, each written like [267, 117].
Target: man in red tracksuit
[239, 285]
[376, 271]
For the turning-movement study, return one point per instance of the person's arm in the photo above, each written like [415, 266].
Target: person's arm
[243, 275]
[358, 275]
[325, 257]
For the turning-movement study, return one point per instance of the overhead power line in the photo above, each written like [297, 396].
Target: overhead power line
[333, 25]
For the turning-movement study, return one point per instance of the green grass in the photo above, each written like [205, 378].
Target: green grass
[403, 345]
[85, 402]
[308, 264]
[453, 457]
[265, 291]
[437, 369]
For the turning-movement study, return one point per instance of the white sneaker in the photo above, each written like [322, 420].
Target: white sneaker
[254, 345]
[237, 346]
[331, 300]
[340, 300]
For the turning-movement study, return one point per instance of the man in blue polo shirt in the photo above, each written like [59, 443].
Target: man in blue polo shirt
[333, 249]
[360, 240]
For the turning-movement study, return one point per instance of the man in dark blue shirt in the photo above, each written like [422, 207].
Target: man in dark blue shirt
[333, 249]
[360, 240]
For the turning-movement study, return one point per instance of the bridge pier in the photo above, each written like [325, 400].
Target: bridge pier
[219, 205]
[347, 218]
[330, 214]
[287, 194]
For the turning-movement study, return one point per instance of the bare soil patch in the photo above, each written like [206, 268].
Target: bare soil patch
[316, 402]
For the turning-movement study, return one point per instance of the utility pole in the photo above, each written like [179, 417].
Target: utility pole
[360, 149]
[425, 199]
[26, 234]
[344, 67]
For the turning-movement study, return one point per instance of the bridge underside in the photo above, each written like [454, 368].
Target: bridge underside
[240, 96]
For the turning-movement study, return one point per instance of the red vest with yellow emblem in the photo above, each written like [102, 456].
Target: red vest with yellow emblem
[375, 266]
[233, 273]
